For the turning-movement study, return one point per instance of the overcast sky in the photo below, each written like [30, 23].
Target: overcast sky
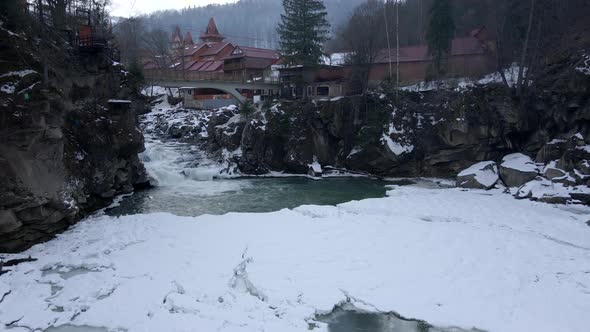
[128, 8]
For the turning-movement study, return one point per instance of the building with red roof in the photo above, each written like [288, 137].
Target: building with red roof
[470, 57]
[214, 58]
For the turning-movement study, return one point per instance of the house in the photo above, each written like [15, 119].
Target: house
[251, 63]
[472, 56]
[214, 58]
[316, 82]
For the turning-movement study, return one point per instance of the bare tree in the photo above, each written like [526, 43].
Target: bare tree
[129, 34]
[157, 44]
[364, 36]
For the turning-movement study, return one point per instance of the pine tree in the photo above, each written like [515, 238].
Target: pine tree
[303, 31]
[439, 35]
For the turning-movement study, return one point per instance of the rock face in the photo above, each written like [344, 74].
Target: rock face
[483, 175]
[517, 169]
[434, 133]
[65, 150]
[520, 173]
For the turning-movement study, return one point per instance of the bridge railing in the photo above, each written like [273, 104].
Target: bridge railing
[155, 75]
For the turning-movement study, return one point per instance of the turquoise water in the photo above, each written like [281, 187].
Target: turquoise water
[220, 196]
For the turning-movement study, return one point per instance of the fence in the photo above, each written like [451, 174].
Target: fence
[180, 75]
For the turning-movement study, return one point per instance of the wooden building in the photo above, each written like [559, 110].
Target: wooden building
[470, 57]
[214, 58]
[317, 82]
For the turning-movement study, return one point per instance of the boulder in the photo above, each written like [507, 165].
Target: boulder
[315, 169]
[8, 222]
[483, 175]
[541, 189]
[551, 151]
[554, 173]
[517, 169]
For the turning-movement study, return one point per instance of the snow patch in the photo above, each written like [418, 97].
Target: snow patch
[21, 73]
[519, 162]
[585, 68]
[485, 172]
[398, 148]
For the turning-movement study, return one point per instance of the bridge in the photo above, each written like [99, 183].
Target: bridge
[230, 83]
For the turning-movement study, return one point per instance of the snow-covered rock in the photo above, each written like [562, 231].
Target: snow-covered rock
[553, 150]
[544, 190]
[556, 174]
[483, 175]
[517, 169]
[315, 169]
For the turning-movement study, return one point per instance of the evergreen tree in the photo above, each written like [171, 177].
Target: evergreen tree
[303, 31]
[440, 32]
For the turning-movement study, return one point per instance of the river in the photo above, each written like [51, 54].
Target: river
[188, 183]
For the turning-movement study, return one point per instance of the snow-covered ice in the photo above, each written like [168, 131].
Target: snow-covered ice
[448, 256]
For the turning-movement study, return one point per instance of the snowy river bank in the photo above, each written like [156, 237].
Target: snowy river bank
[449, 257]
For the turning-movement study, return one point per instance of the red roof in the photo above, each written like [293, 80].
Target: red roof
[194, 49]
[214, 66]
[205, 66]
[188, 39]
[215, 48]
[176, 35]
[253, 52]
[460, 46]
[212, 32]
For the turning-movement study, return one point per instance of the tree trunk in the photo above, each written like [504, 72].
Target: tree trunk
[500, 47]
[520, 87]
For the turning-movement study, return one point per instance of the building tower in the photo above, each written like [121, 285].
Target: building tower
[212, 35]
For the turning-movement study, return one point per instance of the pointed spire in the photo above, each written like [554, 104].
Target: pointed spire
[212, 27]
[177, 35]
[188, 39]
[212, 35]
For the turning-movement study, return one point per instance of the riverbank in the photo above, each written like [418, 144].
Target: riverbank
[450, 257]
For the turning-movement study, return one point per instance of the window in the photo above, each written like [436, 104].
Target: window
[310, 91]
[323, 91]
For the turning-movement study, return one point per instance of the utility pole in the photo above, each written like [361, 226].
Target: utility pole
[387, 34]
[397, 44]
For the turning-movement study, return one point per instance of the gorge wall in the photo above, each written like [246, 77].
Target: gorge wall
[435, 133]
[67, 147]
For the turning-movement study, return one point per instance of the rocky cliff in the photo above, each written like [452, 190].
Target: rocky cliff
[68, 146]
[430, 133]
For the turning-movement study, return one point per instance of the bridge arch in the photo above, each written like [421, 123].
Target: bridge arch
[229, 87]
